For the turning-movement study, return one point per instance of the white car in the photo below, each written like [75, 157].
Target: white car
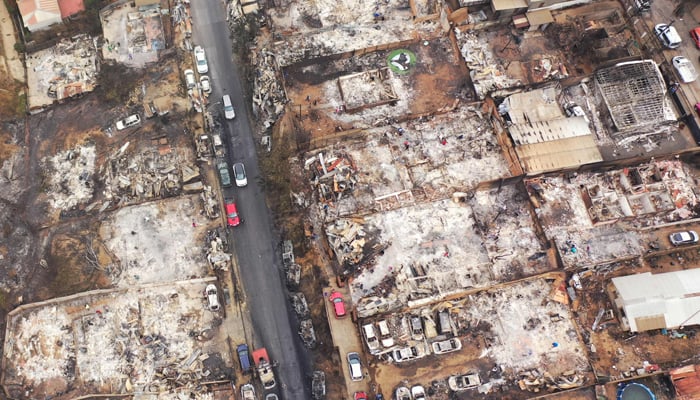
[239, 175]
[685, 69]
[247, 392]
[447, 346]
[128, 122]
[213, 297]
[458, 383]
[668, 35]
[355, 366]
[406, 354]
[205, 84]
[418, 392]
[229, 112]
[200, 59]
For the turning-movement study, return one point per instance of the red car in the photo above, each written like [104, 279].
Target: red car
[232, 218]
[695, 34]
[338, 304]
[360, 396]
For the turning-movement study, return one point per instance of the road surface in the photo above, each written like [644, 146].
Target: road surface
[254, 242]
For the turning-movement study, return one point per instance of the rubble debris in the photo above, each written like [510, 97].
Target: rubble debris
[133, 36]
[131, 340]
[293, 275]
[535, 381]
[332, 175]
[210, 202]
[65, 70]
[70, 180]
[485, 69]
[366, 89]
[298, 300]
[217, 256]
[269, 97]
[318, 385]
[132, 176]
[307, 333]
[348, 240]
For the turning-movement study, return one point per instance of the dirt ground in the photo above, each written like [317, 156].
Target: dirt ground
[436, 66]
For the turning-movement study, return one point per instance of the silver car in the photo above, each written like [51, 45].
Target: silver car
[239, 174]
[685, 237]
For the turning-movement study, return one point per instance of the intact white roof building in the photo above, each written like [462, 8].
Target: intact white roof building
[668, 300]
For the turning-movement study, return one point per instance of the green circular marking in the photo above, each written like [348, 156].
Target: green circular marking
[401, 61]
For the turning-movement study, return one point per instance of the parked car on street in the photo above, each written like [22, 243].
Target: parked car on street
[418, 392]
[338, 304]
[224, 174]
[205, 84]
[668, 35]
[212, 297]
[232, 217]
[684, 69]
[128, 122]
[447, 346]
[355, 366]
[248, 392]
[360, 396]
[685, 237]
[244, 358]
[190, 82]
[458, 383]
[695, 34]
[402, 393]
[239, 174]
[200, 59]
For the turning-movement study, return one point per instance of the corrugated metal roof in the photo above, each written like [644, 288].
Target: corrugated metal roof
[686, 380]
[557, 154]
[534, 106]
[545, 131]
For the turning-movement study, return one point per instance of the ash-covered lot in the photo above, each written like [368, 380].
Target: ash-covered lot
[114, 341]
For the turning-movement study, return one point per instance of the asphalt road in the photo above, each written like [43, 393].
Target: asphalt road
[254, 242]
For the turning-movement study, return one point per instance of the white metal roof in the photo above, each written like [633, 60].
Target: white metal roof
[675, 295]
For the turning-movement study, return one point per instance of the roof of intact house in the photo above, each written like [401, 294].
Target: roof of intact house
[653, 301]
[70, 7]
[39, 13]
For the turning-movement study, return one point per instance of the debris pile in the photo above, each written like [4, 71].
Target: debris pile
[307, 333]
[210, 202]
[132, 36]
[269, 97]
[298, 300]
[347, 239]
[68, 69]
[292, 270]
[366, 89]
[129, 340]
[486, 71]
[318, 385]
[333, 175]
[131, 177]
[536, 381]
[70, 177]
[217, 256]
